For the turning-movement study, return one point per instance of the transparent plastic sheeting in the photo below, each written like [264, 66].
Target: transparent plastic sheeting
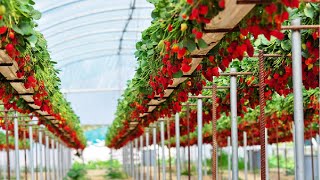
[84, 38]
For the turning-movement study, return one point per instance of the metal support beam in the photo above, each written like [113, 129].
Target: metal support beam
[199, 121]
[57, 161]
[136, 152]
[214, 133]
[154, 134]
[53, 160]
[318, 149]
[31, 161]
[177, 126]
[131, 160]
[267, 164]
[234, 124]
[162, 149]
[245, 156]
[47, 155]
[40, 155]
[141, 158]
[16, 147]
[298, 99]
[229, 158]
[147, 156]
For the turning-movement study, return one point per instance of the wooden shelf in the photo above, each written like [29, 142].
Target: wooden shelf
[9, 72]
[227, 19]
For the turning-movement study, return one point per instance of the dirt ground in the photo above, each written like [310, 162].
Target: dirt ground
[96, 174]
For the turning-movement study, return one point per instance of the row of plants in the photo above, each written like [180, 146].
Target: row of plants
[278, 116]
[164, 53]
[3, 144]
[27, 49]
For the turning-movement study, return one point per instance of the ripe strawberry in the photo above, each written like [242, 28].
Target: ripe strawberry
[170, 28]
[203, 9]
[3, 29]
[9, 48]
[199, 35]
[221, 4]
[185, 67]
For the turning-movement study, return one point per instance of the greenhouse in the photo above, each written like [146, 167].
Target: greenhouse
[159, 89]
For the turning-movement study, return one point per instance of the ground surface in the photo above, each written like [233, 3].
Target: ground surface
[100, 175]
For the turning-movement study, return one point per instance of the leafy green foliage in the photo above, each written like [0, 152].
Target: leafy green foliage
[77, 172]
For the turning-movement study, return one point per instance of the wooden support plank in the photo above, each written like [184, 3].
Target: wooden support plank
[9, 72]
[227, 19]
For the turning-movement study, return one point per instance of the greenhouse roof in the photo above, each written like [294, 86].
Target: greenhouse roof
[93, 43]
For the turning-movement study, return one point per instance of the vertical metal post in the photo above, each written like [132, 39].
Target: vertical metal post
[136, 152]
[298, 99]
[48, 158]
[57, 161]
[131, 160]
[262, 116]
[234, 124]
[169, 148]
[7, 143]
[245, 155]
[229, 158]
[40, 155]
[162, 149]
[31, 162]
[25, 149]
[147, 156]
[177, 127]
[294, 150]
[141, 158]
[154, 134]
[204, 160]
[16, 146]
[214, 133]
[199, 122]
[53, 160]
[267, 164]
[250, 161]
[188, 137]
[318, 149]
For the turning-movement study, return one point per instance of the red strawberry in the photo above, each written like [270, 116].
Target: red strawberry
[203, 9]
[9, 48]
[3, 29]
[185, 67]
[221, 4]
[170, 28]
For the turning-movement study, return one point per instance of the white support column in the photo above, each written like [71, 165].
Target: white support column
[245, 156]
[136, 152]
[147, 156]
[234, 124]
[131, 160]
[177, 126]
[57, 160]
[16, 147]
[267, 163]
[141, 158]
[53, 160]
[199, 122]
[318, 149]
[229, 158]
[298, 99]
[40, 155]
[48, 158]
[162, 148]
[154, 134]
